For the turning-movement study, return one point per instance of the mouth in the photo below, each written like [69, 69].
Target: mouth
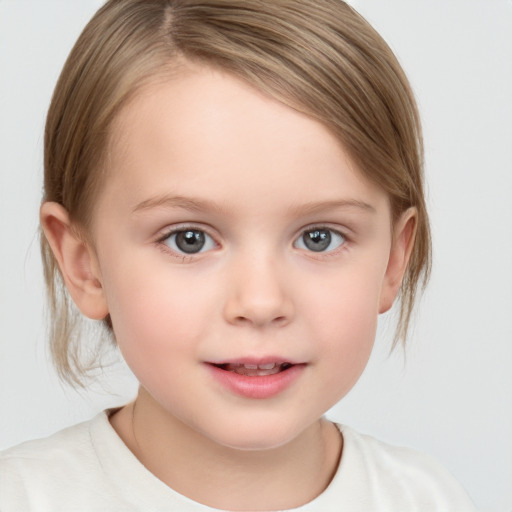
[260, 378]
[255, 370]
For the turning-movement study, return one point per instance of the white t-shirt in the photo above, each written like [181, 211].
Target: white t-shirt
[88, 468]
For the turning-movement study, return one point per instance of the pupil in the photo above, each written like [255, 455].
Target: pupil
[317, 240]
[190, 241]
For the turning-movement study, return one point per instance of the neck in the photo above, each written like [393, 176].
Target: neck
[227, 478]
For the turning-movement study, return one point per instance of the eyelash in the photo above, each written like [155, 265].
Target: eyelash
[183, 256]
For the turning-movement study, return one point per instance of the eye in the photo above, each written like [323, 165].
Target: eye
[320, 240]
[189, 241]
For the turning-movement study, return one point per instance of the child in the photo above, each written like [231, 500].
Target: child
[234, 189]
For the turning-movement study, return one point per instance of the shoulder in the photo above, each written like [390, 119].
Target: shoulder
[82, 468]
[58, 449]
[394, 459]
[61, 466]
[401, 478]
[53, 444]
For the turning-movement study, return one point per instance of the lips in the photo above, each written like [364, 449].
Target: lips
[258, 379]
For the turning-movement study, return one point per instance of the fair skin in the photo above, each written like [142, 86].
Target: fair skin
[292, 256]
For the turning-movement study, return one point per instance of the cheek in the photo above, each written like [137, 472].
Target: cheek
[346, 324]
[154, 317]
[351, 326]
[348, 299]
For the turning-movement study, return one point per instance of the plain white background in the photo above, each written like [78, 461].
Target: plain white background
[452, 395]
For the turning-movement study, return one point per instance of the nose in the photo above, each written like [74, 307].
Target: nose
[258, 294]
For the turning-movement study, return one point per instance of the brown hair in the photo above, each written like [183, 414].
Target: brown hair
[317, 56]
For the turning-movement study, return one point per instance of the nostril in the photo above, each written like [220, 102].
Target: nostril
[250, 306]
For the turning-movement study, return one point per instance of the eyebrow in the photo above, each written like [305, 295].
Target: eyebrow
[186, 203]
[320, 206]
[205, 205]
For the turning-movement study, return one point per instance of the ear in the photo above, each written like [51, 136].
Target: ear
[76, 259]
[404, 233]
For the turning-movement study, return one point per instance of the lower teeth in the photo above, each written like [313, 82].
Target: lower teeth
[256, 372]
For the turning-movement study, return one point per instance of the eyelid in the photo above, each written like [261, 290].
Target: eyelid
[166, 232]
[343, 231]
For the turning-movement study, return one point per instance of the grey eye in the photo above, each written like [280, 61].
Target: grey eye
[320, 240]
[190, 241]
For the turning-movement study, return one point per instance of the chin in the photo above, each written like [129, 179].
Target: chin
[256, 436]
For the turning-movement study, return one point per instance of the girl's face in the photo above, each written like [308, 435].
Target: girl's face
[243, 258]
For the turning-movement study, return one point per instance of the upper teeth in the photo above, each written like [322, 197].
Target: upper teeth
[268, 366]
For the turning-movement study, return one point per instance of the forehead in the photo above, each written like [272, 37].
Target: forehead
[205, 126]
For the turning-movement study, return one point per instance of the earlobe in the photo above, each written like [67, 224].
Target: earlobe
[76, 259]
[404, 234]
